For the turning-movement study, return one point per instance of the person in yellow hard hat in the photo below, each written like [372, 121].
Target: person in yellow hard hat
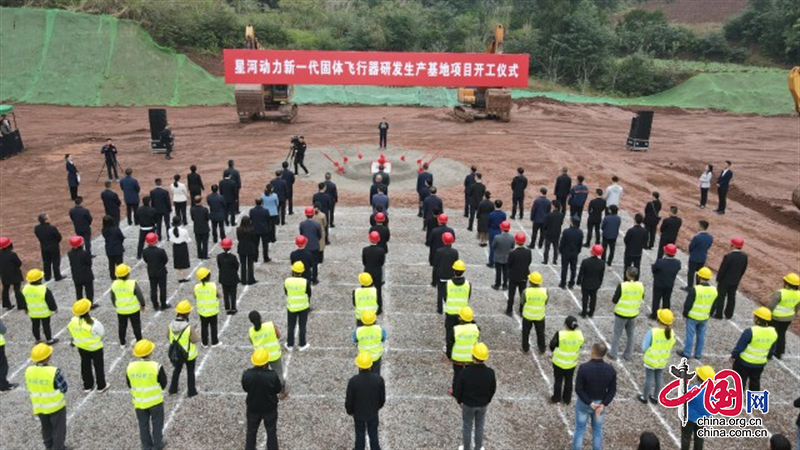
[532, 307]
[366, 395]
[697, 409]
[263, 387]
[628, 302]
[456, 297]
[87, 334]
[697, 309]
[186, 336]
[365, 298]
[755, 346]
[127, 298]
[298, 297]
[566, 346]
[47, 388]
[474, 390]
[40, 304]
[370, 338]
[265, 335]
[657, 347]
[147, 381]
[465, 335]
[785, 306]
[207, 298]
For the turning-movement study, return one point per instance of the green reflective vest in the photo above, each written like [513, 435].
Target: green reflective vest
[125, 297]
[704, 297]
[757, 350]
[207, 301]
[785, 308]
[82, 335]
[145, 389]
[45, 398]
[535, 300]
[366, 300]
[370, 339]
[267, 339]
[657, 355]
[457, 298]
[566, 354]
[2, 340]
[630, 299]
[296, 298]
[466, 336]
[185, 341]
[34, 298]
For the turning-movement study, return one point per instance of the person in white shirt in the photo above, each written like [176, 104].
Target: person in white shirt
[180, 249]
[613, 193]
[705, 184]
[179, 198]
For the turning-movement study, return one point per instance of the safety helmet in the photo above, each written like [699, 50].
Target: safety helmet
[81, 307]
[665, 316]
[380, 217]
[202, 273]
[260, 357]
[76, 241]
[597, 250]
[459, 266]
[40, 352]
[122, 270]
[365, 279]
[705, 372]
[535, 278]
[448, 238]
[442, 218]
[364, 360]
[368, 317]
[34, 275]
[374, 237]
[737, 242]
[480, 351]
[152, 239]
[792, 278]
[183, 307]
[466, 314]
[143, 348]
[505, 225]
[226, 244]
[520, 238]
[4, 242]
[762, 312]
[309, 211]
[670, 249]
[298, 267]
[300, 241]
[705, 273]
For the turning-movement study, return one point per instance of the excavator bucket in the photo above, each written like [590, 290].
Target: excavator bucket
[794, 87]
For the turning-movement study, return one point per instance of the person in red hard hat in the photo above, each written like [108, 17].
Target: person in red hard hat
[731, 271]
[502, 245]
[443, 262]
[519, 262]
[303, 255]
[435, 239]
[10, 274]
[665, 270]
[313, 232]
[228, 267]
[382, 230]
[80, 264]
[590, 279]
[373, 257]
[156, 259]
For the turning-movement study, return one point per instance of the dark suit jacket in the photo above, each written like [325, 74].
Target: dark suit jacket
[518, 186]
[432, 202]
[306, 257]
[552, 225]
[563, 185]
[540, 208]
[519, 262]
[312, 230]
[732, 269]
[235, 176]
[130, 189]
[111, 203]
[289, 177]
[156, 259]
[159, 199]
[698, 248]
[195, 183]
[247, 242]
[80, 263]
[373, 257]
[635, 240]
[669, 229]
[228, 266]
[72, 174]
[374, 190]
[664, 272]
[81, 219]
[366, 395]
[115, 241]
[280, 188]
[651, 211]
[48, 236]
[591, 273]
[435, 240]
[262, 221]
[333, 191]
[385, 236]
[571, 242]
[324, 201]
[200, 217]
[443, 262]
[228, 190]
[10, 267]
[386, 180]
[216, 203]
[475, 193]
[468, 181]
[596, 208]
[725, 179]
[146, 216]
[421, 178]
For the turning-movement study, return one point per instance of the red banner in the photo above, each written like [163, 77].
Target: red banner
[375, 68]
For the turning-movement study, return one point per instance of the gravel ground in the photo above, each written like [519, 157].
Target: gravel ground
[418, 413]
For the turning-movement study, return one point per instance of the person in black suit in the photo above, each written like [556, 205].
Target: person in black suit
[195, 183]
[379, 210]
[469, 180]
[167, 140]
[665, 270]
[435, 239]
[443, 269]
[247, 250]
[562, 188]
[82, 221]
[111, 202]
[333, 193]
[217, 207]
[73, 177]
[475, 195]
[730, 273]
[49, 240]
[377, 184]
[373, 257]
[519, 262]
[114, 243]
[723, 183]
[430, 203]
[146, 217]
[10, 274]
[228, 265]
[130, 193]
[237, 178]
[669, 230]
[289, 177]
[304, 255]
[262, 228]
[156, 259]
[385, 178]
[635, 242]
[325, 206]
[651, 218]
[80, 263]
[518, 186]
[200, 217]
[570, 247]
[424, 179]
[382, 230]
[159, 198]
[552, 231]
[590, 279]
[109, 151]
[228, 190]
[383, 131]
[281, 189]
[596, 208]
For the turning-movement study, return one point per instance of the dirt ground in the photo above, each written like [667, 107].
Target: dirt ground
[542, 137]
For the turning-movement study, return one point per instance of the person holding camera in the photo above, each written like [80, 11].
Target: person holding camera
[299, 154]
[110, 152]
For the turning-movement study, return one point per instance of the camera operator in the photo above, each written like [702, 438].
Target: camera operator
[110, 152]
[299, 154]
[167, 139]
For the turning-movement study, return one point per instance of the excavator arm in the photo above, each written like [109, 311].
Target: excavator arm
[485, 102]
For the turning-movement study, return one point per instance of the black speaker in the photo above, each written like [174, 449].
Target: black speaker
[639, 134]
[158, 120]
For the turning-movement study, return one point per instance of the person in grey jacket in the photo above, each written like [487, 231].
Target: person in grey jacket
[502, 245]
[610, 229]
[312, 231]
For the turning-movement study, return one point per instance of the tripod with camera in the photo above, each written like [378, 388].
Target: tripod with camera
[114, 165]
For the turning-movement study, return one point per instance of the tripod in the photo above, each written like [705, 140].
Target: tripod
[105, 167]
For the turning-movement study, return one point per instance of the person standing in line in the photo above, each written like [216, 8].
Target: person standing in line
[475, 388]
[443, 268]
[518, 186]
[383, 131]
[651, 219]
[379, 199]
[705, 184]
[475, 195]
[180, 250]
[270, 202]
[496, 217]
[333, 193]
[366, 395]
[370, 338]
[298, 298]
[380, 228]
[262, 385]
[228, 268]
[195, 184]
[146, 216]
[159, 197]
[590, 279]
[262, 228]
[47, 388]
[785, 305]
[613, 193]
[502, 245]
[303, 255]
[458, 294]
[430, 204]
[648, 441]
[5, 386]
[754, 348]
[464, 336]
[217, 209]
[111, 202]
[485, 207]
[147, 381]
[723, 183]
[80, 262]
[247, 250]
[167, 140]
[469, 180]
[289, 177]
[698, 252]
[299, 155]
[177, 332]
[207, 299]
[130, 194]
[11, 274]
[49, 241]
[109, 151]
[669, 230]
[532, 310]
[114, 244]
[365, 297]
[87, 335]
[227, 188]
[179, 198]
[312, 231]
[128, 301]
[324, 203]
[434, 239]
[265, 336]
[566, 347]
[570, 247]
[595, 386]
[280, 188]
[577, 197]
[697, 410]
[373, 258]
[41, 304]
[156, 260]
[610, 228]
[519, 262]
[665, 271]
[424, 181]
[657, 347]
[237, 180]
[200, 217]
[596, 209]
[635, 242]
[697, 310]
[562, 189]
[628, 300]
[73, 177]
[730, 273]
[552, 232]
[82, 221]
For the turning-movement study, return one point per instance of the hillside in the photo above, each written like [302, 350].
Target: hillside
[694, 12]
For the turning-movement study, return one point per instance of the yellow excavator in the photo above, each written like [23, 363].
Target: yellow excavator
[486, 103]
[794, 89]
[257, 101]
